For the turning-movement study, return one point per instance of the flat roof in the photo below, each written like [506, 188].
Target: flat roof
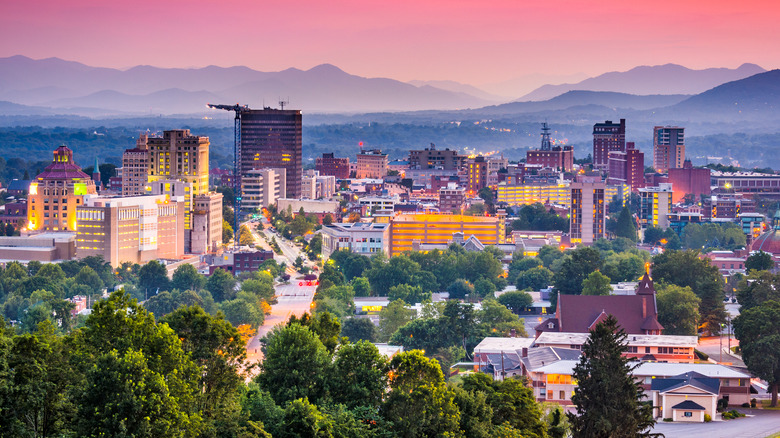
[563, 338]
[499, 344]
[656, 369]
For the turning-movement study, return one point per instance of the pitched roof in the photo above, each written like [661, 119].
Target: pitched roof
[691, 378]
[541, 356]
[689, 405]
[578, 312]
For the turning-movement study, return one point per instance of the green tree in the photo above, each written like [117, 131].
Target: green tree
[89, 278]
[596, 284]
[484, 287]
[392, 317]
[575, 268]
[460, 288]
[295, 364]
[245, 236]
[383, 276]
[303, 419]
[242, 311]
[678, 310]
[626, 227]
[475, 414]
[497, 320]
[608, 398]
[758, 288]
[653, 235]
[52, 272]
[359, 329]
[358, 376]
[186, 277]
[758, 331]
[535, 278]
[516, 301]
[227, 232]
[221, 284]
[153, 276]
[408, 293]
[759, 261]
[549, 254]
[361, 286]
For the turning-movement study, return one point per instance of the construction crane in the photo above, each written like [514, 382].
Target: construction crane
[238, 109]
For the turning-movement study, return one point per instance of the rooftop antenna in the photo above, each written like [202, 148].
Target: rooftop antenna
[282, 103]
[546, 144]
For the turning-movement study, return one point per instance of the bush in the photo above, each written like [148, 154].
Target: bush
[732, 414]
[707, 418]
[752, 403]
[668, 420]
[701, 355]
[723, 404]
[745, 405]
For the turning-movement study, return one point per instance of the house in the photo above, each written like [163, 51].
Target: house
[501, 356]
[655, 348]
[685, 397]
[636, 314]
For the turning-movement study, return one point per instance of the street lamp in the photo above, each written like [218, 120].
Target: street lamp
[720, 337]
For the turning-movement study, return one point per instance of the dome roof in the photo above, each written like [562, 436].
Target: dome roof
[768, 242]
[63, 167]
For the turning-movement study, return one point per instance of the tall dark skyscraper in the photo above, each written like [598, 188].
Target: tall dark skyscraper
[272, 138]
[607, 137]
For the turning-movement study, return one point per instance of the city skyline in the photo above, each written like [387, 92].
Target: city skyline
[462, 41]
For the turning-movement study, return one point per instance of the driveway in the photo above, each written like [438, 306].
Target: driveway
[763, 424]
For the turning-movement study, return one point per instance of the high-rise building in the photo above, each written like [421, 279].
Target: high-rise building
[558, 157]
[175, 189]
[177, 155]
[206, 235]
[668, 148]
[432, 158]
[452, 199]
[627, 167]
[272, 138]
[262, 187]
[371, 164]
[588, 209]
[477, 170]
[135, 168]
[55, 193]
[607, 137]
[328, 165]
[688, 179]
[655, 206]
[133, 229]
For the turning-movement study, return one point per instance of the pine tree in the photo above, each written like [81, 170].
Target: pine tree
[625, 225]
[608, 399]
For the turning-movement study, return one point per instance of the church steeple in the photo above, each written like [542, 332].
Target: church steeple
[646, 283]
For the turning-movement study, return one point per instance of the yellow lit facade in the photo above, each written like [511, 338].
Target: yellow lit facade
[406, 229]
[622, 191]
[531, 194]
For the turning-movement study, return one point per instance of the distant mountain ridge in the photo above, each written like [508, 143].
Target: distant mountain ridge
[649, 80]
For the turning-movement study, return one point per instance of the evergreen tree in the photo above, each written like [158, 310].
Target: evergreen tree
[608, 399]
[625, 225]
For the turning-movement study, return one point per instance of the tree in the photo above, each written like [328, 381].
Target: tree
[221, 284]
[496, 318]
[241, 311]
[186, 277]
[484, 287]
[358, 376]
[515, 301]
[758, 331]
[758, 288]
[245, 236]
[596, 284]
[227, 231]
[328, 219]
[574, 270]
[358, 329]
[678, 310]
[514, 408]
[153, 276]
[295, 364]
[303, 419]
[392, 317]
[409, 294]
[608, 398]
[535, 278]
[460, 288]
[626, 227]
[89, 278]
[361, 286]
[653, 235]
[759, 261]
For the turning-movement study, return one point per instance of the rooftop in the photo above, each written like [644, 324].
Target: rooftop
[499, 344]
[563, 338]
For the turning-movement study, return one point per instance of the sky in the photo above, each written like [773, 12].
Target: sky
[475, 42]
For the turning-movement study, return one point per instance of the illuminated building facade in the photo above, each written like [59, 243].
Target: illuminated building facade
[627, 167]
[655, 206]
[371, 164]
[206, 234]
[432, 158]
[135, 168]
[262, 187]
[668, 148]
[560, 158]
[452, 199]
[408, 229]
[272, 138]
[361, 238]
[54, 194]
[527, 194]
[133, 229]
[607, 137]
[477, 170]
[588, 208]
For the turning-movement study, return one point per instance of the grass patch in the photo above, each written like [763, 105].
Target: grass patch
[765, 405]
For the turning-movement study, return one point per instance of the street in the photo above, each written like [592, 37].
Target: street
[763, 424]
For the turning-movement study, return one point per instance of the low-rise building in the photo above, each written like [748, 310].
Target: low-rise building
[661, 348]
[43, 247]
[406, 230]
[206, 235]
[236, 262]
[526, 194]
[452, 198]
[361, 238]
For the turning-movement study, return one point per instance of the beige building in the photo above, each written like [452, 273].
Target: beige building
[133, 229]
[177, 155]
[655, 206]
[262, 187]
[206, 235]
[406, 230]
[362, 238]
[668, 148]
[43, 247]
[588, 210]
[174, 189]
[135, 168]
[55, 193]
[371, 164]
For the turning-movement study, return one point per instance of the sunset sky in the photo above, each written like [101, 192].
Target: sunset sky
[476, 42]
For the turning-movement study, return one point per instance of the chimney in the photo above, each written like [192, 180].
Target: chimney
[513, 333]
[524, 352]
[644, 308]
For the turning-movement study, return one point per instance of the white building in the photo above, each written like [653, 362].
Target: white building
[361, 238]
[262, 187]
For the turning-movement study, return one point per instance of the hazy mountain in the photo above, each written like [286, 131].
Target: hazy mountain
[460, 88]
[522, 85]
[58, 83]
[647, 80]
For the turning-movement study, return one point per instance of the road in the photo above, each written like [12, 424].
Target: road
[764, 423]
[292, 300]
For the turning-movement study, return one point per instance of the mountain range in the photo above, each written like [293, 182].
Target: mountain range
[56, 86]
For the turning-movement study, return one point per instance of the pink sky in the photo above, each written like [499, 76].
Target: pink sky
[476, 42]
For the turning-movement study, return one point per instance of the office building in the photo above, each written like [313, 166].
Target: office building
[316, 186]
[766, 185]
[328, 165]
[206, 234]
[452, 199]
[407, 230]
[668, 148]
[133, 229]
[527, 194]
[727, 206]
[371, 164]
[689, 180]
[432, 158]
[622, 191]
[627, 167]
[607, 137]
[655, 206]
[262, 187]
[477, 174]
[272, 138]
[178, 155]
[361, 238]
[588, 208]
[54, 194]
[239, 262]
[175, 188]
[559, 158]
[135, 168]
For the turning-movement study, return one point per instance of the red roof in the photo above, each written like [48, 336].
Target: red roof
[63, 166]
[576, 313]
